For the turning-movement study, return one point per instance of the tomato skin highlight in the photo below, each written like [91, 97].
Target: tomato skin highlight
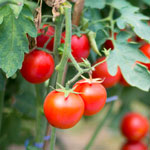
[44, 37]
[101, 71]
[80, 46]
[37, 66]
[93, 94]
[134, 126]
[63, 112]
[134, 146]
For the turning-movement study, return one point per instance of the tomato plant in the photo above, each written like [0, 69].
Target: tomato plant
[80, 46]
[37, 66]
[47, 46]
[101, 71]
[63, 112]
[134, 126]
[134, 146]
[93, 94]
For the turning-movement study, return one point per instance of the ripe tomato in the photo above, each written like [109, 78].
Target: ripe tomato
[123, 81]
[80, 46]
[146, 50]
[101, 71]
[134, 126]
[44, 37]
[37, 66]
[134, 146]
[108, 44]
[93, 94]
[63, 112]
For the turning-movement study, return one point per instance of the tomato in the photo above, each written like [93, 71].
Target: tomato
[146, 51]
[44, 37]
[101, 71]
[108, 44]
[63, 112]
[37, 66]
[93, 94]
[123, 81]
[134, 126]
[80, 46]
[134, 146]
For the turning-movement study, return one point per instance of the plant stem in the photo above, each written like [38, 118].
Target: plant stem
[57, 37]
[40, 119]
[99, 127]
[52, 82]
[2, 94]
[67, 47]
[60, 67]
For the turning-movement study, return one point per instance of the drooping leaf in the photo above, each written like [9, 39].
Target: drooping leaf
[125, 56]
[99, 4]
[13, 38]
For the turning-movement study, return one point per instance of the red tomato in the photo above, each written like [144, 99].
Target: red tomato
[146, 50]
[44, 37]
[63, 112]
[37, 66]
[134, 146]
[101, 71]
[108, 44]
[123, 81]
[134, 126]
[93, 94]
[80, 46]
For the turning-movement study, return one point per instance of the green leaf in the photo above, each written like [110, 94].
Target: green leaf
[147, 2]
[125, 55]
[128, 12]
[95, 3]
[13, 38]
[16, 8]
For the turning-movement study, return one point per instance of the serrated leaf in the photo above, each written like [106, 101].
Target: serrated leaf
[128, 12]
[13, 39]
[99, 4]
[16, 8]
[125, 55]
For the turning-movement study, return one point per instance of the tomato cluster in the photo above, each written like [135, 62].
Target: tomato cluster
[134, 127]
[64, 112]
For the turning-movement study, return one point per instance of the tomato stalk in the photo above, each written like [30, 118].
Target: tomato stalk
[2, 93]
[40, 119]
[52, 81]
[99, 127]
[60, 67]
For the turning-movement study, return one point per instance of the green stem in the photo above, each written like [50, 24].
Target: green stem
[57, 37]
[2, 94]
[61, 66]
[67, 47]
[40, 119]
[99, 127]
